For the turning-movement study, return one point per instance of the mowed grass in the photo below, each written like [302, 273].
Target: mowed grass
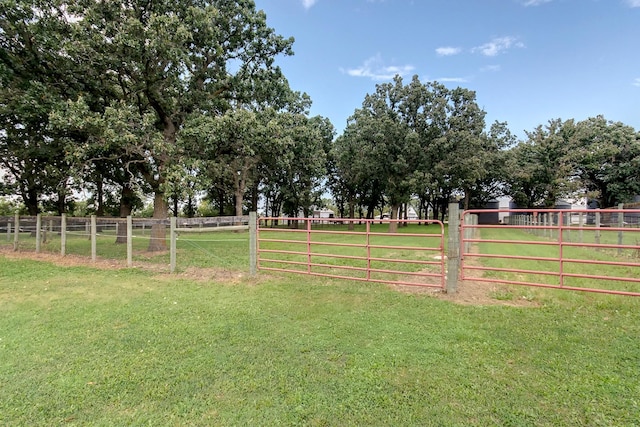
[83, 346]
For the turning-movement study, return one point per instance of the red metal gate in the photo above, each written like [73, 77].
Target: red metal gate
[585, 250]
[354, 249]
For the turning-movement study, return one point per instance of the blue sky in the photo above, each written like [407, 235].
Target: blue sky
[529, 61]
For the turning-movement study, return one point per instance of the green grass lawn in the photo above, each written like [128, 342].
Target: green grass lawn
[83, 346]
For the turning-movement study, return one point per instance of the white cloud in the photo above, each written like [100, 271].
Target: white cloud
[491, 68]
[452, 80]
[633, 3]
[307, 4]
[498, 46]
[636, 82]
[528, 3]
[448, 51]
[375, 69]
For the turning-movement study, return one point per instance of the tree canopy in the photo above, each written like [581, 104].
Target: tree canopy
[183, 100]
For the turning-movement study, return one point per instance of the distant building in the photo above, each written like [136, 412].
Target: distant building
[323, 213]
[411, 214]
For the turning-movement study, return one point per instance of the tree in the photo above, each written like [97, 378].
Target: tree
[539, 169]
[294, 162]
[463, 148]
[32, 82]
[605, 156]
[172, 61]
[380, 129]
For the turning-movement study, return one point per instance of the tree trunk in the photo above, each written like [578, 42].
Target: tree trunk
[126, 207]
[393, 226]
[158, 241]
[467, 199]
[352, 212]
[190, 209]
[61, 202]
[254, 197]
[175, 205]
[31, 202]
[239, 202]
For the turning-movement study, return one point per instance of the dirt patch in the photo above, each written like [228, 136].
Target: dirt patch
[472, 291]
[161, 270]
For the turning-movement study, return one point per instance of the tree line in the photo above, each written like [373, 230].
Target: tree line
[183, 98]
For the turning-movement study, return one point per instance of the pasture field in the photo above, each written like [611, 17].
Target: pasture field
[625, 257]
[82, 345]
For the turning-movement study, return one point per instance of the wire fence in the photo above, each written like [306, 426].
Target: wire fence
[206, 242]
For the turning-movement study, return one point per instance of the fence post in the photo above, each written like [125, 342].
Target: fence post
[38, 231]
[8, 231]
[468, 221]
[63, 235]
[597, 236]
[453, 250]
[129, 241]
[16, 231]
[94, 232]
[620, 225]
[253, 243]
[173, 245]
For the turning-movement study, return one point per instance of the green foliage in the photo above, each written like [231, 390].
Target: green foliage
[9, 207]
[539, 170]
[417, 139]
[605, 156]
[565, 159]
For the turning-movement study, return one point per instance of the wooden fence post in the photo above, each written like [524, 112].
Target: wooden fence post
[453, 250]
[63, 235]
[129, 241]
[16, 231]
[38, 232]
[172, 245]
[253, 243]
[597, 236]
[94, 232]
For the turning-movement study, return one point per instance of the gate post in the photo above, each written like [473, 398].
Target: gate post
[93, 237]
[172, 245]
[38, 232]
[253, 243]
[129, 241]
[63, 234]
[453, 250]
[16, 231]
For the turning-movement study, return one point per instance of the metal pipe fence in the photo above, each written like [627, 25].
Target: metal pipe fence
[562, 249]
[354, 249]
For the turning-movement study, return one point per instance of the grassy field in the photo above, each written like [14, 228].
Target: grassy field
[87, 346]
[628, 259]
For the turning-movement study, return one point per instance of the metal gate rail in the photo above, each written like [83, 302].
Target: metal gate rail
[610, 236]
[315, 239]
